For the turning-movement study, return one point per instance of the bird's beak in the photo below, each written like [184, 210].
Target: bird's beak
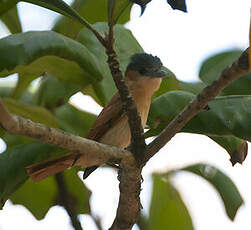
[159, 73]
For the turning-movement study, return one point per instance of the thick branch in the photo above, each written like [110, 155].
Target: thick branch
[237, 69]
[94, 153]
[129, 201]
[67, 201]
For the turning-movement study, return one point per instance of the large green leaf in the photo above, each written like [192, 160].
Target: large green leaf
[78, 191]
[221, 182]
[52, 92]
[39, 197]
[33, 53]
[167, 210]
[35, 113]
[241, 86]
[7, 89]
[115, 9]
[60, 7]
[125, 45]
[11, 20]
[22, 84]
[6, 5]
[13, 162]
[192, 87]
[165, 107]
[13, 140]
[74, 120]
[10, 139]
[228, 115]
[226, 122]
[89, 10]
[212, 67]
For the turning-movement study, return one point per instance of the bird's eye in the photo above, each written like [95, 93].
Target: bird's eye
[142, 71]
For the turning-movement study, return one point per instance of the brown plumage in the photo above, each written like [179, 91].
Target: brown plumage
[111, 126]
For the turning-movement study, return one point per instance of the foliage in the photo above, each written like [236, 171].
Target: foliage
[70, 59]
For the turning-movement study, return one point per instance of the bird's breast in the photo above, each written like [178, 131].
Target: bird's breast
[119, 134]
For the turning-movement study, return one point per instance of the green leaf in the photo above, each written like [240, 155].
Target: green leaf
[61, 7]
[165, 107]
[125, 45]
[39, 197]
[6, 5]
[34, 113]
[221, 182]
[5, 91]
[13, 162]
[74, 120]
[227, 116]
[213, 66]
[120, 7]
[11, 139]
[22, 84]
[53, 92]
[192, 87]
[167, 210]
[78, 190]
[241, 86]
[89, 10]
[34, 53]
[11, 20]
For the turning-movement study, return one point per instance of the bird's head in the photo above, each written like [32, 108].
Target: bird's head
[146, 65]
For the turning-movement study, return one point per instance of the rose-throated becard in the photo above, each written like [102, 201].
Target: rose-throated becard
[143, 77]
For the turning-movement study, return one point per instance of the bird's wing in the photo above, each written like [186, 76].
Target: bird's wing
[108, 116]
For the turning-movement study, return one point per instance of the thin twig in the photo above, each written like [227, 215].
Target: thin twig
[67, 201]
[237, 69]
[94, 153]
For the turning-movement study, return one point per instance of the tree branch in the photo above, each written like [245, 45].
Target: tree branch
[67, 201]
[129, 201]
[130, 176]
[94, 153]
[138, 145]
[237, 69]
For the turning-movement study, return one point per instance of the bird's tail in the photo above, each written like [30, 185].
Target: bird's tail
[44, 169]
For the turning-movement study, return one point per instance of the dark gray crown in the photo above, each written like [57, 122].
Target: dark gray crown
[146, 64]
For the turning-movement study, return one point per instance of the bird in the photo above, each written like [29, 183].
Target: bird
[143, 77]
